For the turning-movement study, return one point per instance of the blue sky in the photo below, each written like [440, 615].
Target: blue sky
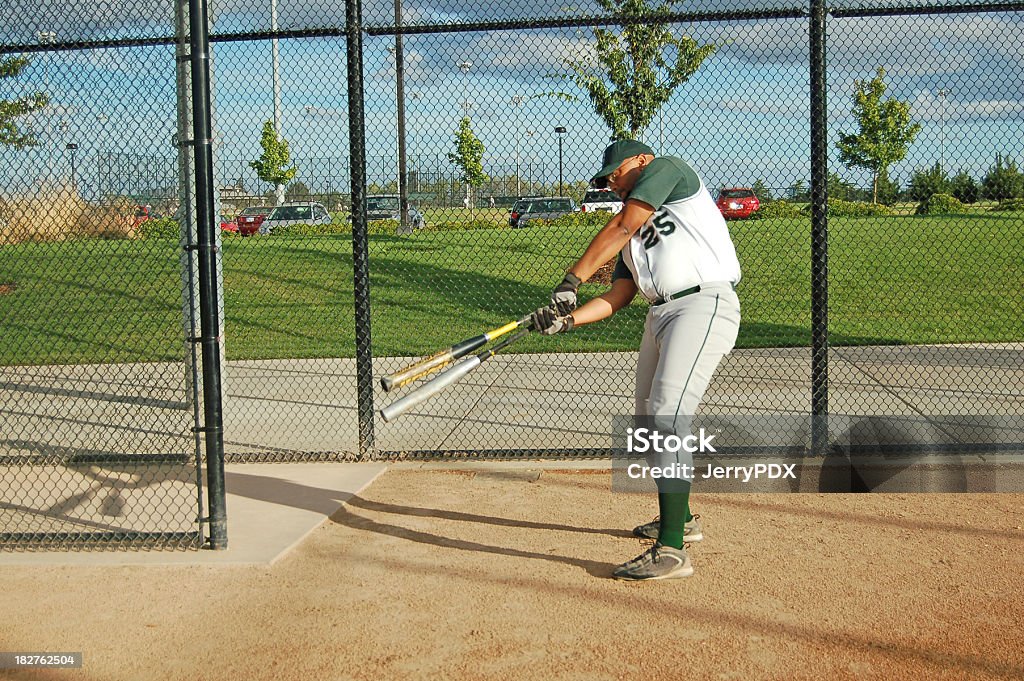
[744, 116]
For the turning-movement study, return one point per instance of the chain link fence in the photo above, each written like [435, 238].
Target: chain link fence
[895, 296]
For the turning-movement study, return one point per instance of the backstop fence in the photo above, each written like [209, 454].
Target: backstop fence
[157, 320]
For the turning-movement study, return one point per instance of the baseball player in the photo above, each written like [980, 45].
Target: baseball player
[674, 249]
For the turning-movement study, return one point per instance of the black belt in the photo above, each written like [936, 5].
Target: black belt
[682, 294]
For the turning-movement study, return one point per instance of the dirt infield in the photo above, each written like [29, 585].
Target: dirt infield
[481, 575]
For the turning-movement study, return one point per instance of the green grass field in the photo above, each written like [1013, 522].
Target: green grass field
[895, 280]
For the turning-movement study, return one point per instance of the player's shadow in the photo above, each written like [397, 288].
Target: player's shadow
[321, 500]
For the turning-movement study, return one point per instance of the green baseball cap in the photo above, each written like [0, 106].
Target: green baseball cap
[614, 155]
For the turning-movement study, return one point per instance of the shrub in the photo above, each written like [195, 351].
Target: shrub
[161, 228]
[940, 204]
[576, 219]
[1010, 205]
[776, 209]
[852, 209]
[964, 188]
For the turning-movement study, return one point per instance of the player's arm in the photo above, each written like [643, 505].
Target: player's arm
[612, 237]
[605, 305]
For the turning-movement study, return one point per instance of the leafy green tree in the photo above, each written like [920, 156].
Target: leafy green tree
[924, 183]
[11, 133]
[272, 165]
[638, 66]
[888, 190]
[297, 191]
[763, 194]
[1003, 180]
[468, 158]
[885, 134]
[964, 188]
[838, 188]
[799, 192]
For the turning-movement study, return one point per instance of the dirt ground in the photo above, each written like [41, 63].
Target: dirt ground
[462, 575]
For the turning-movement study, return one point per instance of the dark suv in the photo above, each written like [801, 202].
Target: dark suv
[548, 208]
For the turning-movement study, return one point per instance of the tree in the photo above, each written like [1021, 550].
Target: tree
[888, 190]
[12, 134]
[272, 165]
[468, 157]
[886, 132]
[964, 188]
[838, 188]
[799, 192]
[298, 191]
[1003, 180]
[638, 66]
[924, 183]
[763, 194]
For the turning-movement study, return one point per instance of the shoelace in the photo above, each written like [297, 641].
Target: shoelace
[650, 546]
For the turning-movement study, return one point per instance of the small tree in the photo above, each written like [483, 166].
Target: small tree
[924, 183]
[763, 194]
[468, 157]
[298, 191]
[11, 134]
[638, 66]
[838, 188]
[885, 130]
[1003, 180]
[272, 165]
[964, 188]
[799, 192]
[888, 190]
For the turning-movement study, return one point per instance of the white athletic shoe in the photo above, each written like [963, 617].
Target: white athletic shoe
[692, 531]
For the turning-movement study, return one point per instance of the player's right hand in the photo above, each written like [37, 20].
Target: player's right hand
[545, 320]
[563, 298]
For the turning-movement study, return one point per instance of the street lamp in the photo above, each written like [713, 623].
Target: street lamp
[403, 190]
[943, 93]
[560, 130]
[517, 101]
[47, 38]
[72, 147]
[465, 66]
[278, 189]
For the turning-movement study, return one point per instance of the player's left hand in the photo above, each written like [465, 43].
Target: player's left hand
[545, 320]
[564, 296]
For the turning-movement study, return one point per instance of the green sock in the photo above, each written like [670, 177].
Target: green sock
[689, 516]
[672, 507]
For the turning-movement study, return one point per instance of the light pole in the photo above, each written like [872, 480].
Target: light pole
[72, 147]
[560, 130]
[517, 101]
[47, 38]
[278, 189]
[415, 96]
[465, 66]
[529, 136]
[101, 118]
[943, 93]
[403, 189]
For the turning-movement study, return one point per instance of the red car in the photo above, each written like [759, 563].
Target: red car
[250, 219]
[737, 203]
[228, 225]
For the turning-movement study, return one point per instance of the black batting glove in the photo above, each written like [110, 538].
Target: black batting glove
[546, 321]
[563, 298]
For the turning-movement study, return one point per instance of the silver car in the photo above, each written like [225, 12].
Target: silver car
[295, 213]
[387, 207]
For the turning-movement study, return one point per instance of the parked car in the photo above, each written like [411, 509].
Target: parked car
[737, 202]
[295, 213]
[600, 200]
[549, 208]
[250, 219]
[517, 209]
[228, 225]
[387, 207]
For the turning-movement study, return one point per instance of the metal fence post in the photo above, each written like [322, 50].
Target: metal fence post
[213, 424]
[819, 232]
[360, 240]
